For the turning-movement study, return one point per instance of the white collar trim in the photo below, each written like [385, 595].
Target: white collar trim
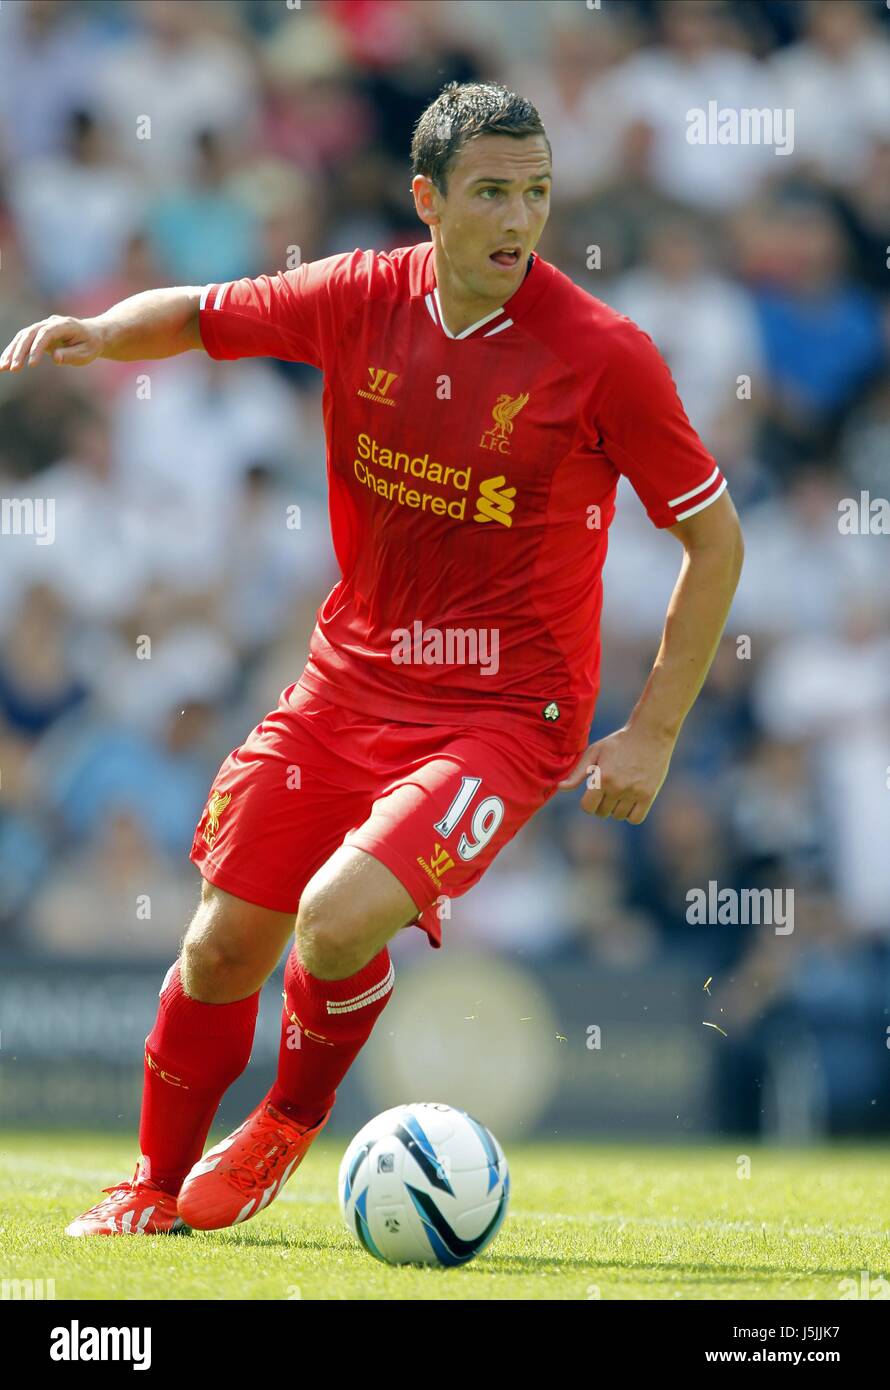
[434, 305]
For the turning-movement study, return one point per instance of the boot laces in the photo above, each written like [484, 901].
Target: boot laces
[120, 1189]
[267, 1154]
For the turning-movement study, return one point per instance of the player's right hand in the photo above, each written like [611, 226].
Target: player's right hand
[71, 343]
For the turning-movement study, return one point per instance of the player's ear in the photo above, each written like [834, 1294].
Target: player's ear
[425, 200]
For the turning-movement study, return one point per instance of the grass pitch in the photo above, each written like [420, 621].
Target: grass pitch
[585, 1222]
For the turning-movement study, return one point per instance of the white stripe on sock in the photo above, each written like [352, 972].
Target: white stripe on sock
[368, 996]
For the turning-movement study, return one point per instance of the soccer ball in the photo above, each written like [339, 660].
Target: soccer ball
[424, 1184]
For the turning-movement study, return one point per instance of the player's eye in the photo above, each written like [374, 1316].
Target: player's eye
[483, 191]
[538, 191]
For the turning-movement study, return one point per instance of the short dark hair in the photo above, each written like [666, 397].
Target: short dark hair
[459, 113]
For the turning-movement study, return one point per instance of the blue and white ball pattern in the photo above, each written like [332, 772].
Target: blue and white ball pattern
[424, 1184]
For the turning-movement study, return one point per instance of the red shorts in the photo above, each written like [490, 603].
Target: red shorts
[434, 803]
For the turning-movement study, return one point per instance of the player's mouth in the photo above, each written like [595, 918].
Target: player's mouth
[506, 256]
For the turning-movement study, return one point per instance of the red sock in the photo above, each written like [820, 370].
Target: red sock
[192, 1055]
[324, 1025]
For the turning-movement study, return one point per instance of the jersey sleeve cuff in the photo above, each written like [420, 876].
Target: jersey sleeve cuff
[211, 297]
[694, 500]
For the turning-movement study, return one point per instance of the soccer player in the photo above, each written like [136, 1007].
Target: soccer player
[479, 409]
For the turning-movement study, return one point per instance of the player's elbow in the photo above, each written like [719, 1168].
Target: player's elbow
[736, 545]
[191, 332]
[728, 550]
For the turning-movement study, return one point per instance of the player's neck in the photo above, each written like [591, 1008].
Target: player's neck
[461, 309]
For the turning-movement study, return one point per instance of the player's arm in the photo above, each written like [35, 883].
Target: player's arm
[695, 620]
[633, 762]
[156, 323]
[295, 315]
[636, 416]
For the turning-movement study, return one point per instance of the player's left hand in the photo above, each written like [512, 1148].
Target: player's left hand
[624, 773]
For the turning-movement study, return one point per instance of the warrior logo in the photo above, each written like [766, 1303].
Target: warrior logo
[379, 383]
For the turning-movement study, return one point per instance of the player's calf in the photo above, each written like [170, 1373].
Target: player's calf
[339, 978]
[325, 1023]
[199, 1045]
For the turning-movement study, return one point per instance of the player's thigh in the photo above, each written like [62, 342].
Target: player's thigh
[281, 803]
[278, 808]
[441, 824]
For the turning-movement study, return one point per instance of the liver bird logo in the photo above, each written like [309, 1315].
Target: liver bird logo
[215, 807]
[503, 412]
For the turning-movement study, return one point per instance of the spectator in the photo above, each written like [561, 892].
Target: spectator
[172, 79]
[68, 254]
[836, 80]
[704, 325]
[700, 61]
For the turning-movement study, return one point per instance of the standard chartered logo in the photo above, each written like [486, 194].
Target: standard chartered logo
[403, 479]
[495, 502]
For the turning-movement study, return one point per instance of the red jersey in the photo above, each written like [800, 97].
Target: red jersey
[471, 479]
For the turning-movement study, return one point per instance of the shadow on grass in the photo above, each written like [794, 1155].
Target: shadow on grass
[654, 1272]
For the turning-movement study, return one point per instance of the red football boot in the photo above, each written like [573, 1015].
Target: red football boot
[136, 1208]
[247, 1171]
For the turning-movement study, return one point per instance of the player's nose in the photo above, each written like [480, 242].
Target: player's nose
[518, 220]
[516, 229]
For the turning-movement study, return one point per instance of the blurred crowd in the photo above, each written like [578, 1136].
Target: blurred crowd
[178, 594]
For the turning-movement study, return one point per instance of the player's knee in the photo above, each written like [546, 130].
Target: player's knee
[213, 960]
[202, 966]
[330, 944]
